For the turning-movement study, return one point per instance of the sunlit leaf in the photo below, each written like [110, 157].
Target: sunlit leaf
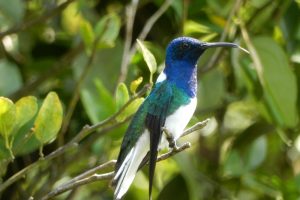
[191, 27]
[239, 115]
[7, 118]
[72, 18]
[122, 95]
[98, 101]
[49, 119]
[26, 108]
[149, 59]
[108, 30]
[135, 84]
[87, 33]
[130, 109]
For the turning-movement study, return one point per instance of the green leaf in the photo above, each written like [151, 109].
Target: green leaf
[26, 109]
[178, 183]
[98, 101]
[107, 29]
[7, 118]
[135, 84]
[239, 116]
[3, 166]
[122, 95]
[233, 165]
[191, 27]
[257, 153]
[87, 34]
[130, 109]
[10, 77]
[149, 59]
[212, 89]
[278, 81]
[4, 152]
[71, 19]
[14, 10]
[190, 173]
[49, 119]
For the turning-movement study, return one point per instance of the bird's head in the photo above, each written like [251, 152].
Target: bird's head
[186, 49]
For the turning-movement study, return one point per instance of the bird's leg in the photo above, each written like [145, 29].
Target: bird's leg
[171, 140]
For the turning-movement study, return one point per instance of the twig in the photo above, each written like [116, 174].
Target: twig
[90, 176]
[76, 94]
[36, 20]
[174, 151]
[253, 54]
[84, 181]
[146, 29]
[85, 131]
[130, 15]
[216, 56]
[110, 163]
[195, 127]
[151, 21]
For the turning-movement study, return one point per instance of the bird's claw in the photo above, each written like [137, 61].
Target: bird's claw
[171, 140]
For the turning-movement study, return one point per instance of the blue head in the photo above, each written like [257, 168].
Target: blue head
[181, 61]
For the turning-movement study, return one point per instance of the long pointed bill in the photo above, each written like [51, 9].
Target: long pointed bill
[224, 44]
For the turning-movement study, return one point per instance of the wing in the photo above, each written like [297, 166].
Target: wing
[148, 120]
[159, 103]
[135, 146]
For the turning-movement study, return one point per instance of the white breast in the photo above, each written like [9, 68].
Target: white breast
[176, 122]
[162, 76]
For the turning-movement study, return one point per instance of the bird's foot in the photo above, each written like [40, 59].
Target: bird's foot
[171, 140]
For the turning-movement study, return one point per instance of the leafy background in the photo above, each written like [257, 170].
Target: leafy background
[65, 64]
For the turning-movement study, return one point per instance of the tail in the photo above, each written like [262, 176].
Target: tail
[126, 172]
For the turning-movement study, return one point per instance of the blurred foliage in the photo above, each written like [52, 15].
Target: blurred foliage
[249, 150]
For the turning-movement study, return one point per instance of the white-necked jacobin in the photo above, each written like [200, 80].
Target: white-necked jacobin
[170, 105]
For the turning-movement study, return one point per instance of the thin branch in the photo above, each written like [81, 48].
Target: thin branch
[253, 53]
[110, 163]
[130, 15]
[85, 131]
[195, 127]
[151, 21]
[84, 181]
[146, 29]
[90, 176]
[217, 54]
[174, 151]
[36, 20]
[76, 94]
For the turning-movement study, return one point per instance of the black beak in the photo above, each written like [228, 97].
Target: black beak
[223, 44]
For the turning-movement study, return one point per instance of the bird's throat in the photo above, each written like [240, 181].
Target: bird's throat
[184, 76]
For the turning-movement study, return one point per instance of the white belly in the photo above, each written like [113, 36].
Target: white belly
[176, 122]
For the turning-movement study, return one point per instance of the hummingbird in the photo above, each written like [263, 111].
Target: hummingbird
[169, 106]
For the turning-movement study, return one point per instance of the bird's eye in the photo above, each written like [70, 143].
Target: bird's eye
[185, 45]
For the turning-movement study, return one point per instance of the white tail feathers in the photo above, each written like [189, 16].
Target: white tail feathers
[126, 173]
